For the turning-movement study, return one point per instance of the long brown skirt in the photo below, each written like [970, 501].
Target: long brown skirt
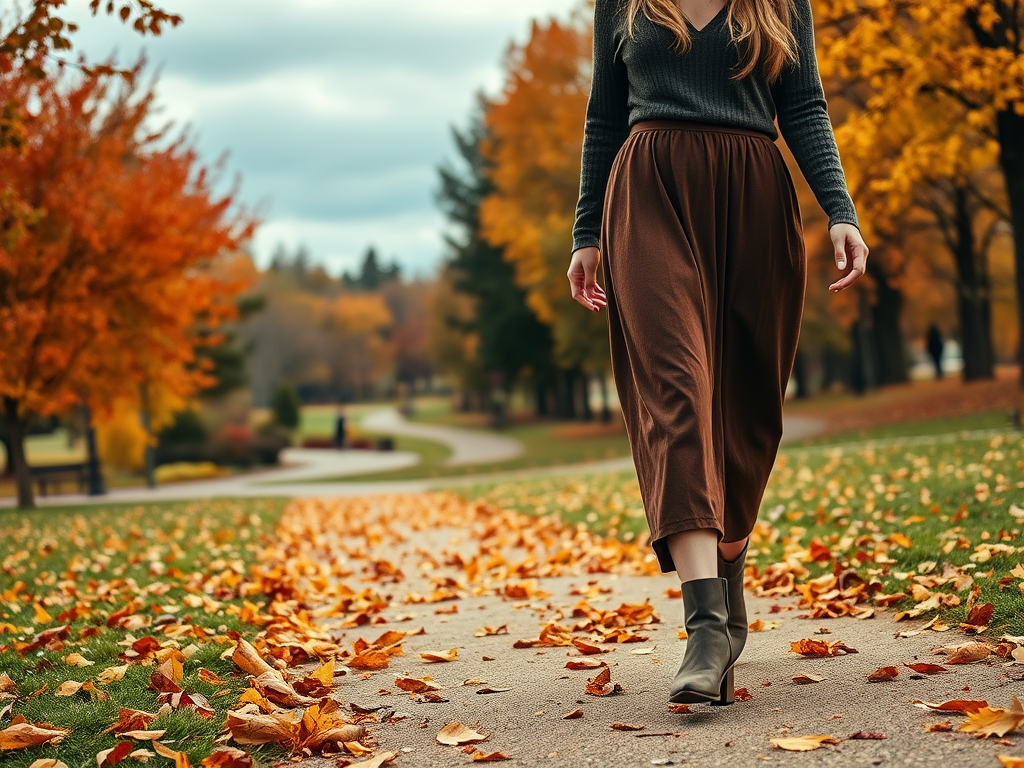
[704, 265]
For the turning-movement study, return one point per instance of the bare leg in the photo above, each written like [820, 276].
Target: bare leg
[732, 550]
[693, 553]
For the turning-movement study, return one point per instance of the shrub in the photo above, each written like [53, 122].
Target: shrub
[169, 473]
[286, 406]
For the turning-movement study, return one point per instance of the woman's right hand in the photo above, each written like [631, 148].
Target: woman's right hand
[583, 279]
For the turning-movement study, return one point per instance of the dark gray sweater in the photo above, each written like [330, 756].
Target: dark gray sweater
[644, 78]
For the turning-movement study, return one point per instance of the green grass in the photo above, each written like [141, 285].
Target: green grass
[849, 498]
[971, 422]
[98, 558]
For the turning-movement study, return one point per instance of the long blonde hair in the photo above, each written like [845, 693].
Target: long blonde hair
[763, 24]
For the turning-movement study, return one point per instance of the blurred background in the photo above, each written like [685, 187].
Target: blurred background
[232, 229]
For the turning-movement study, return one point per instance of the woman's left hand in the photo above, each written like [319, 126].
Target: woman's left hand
[850, 251]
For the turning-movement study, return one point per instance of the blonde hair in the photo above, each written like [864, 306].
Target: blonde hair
[763, 24]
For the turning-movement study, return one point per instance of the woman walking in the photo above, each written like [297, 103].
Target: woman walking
[688, 199]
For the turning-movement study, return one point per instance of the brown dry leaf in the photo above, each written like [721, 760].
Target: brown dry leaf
[626, 727]
[942, 727]
[77, 660]
[255, 727]
[585, 664]
[802, 743]
[968, 653]
[228, 757]
[416, 684]
[48, 762]
[322, 725]
[867, 736]
[486, 631]
[21, 734]
[820, 648]
[1008, 761]
[6, 684]
[167, 677]
[111, 674]
[185, 700]
[480, 757]
[68, 688]
[806, 679]
[759, 625]
[440, 655]
[927, 669]
[324, 674]
[962, 706]
[114, 755]
[248, 660]
[280, 692]
[144, 735]
[454, 734]
[601, 685]
[576, 713]
[377, 761]
[131, 720]
[994, 721]
[883, 674]
[211, 678]
[369, 659]
[586, 648]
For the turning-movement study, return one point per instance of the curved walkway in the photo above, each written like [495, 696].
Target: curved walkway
[468, 446]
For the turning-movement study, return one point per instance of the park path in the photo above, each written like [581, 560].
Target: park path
[305, 468]
[531, 688]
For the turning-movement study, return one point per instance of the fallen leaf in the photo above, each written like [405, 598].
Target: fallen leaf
[416, 685]
[248, 660]
[1008, 761]
[145, 735]
[21, 734]
[576, 713]
[994, 721]
[77, 660]
[883, 674]
[249, 727]
[47, 762]
[867, 735]
[759, 625]
[802, 743]
[228, 757]
[928, 669]
[480, 757]
[962, 706]
[968, 653]
[454, 734]
[111, 674]
[131, 720]
[940, 727]
[806, 679]
[820, 648]
[440, 656]
[210, 678]
[585, 664]
[626, 727]
[376, 761]
[114, 755]
[68, 688]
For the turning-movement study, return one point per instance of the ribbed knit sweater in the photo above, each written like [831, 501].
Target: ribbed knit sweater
[645, 78]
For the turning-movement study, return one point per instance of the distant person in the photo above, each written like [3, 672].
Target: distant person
[690, 201]
[935, 346]
[339, 428]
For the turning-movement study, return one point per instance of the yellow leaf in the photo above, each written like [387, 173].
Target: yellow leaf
[802, 743]
[77, 660]
[994, 721]
[440, 655]
[455, 734]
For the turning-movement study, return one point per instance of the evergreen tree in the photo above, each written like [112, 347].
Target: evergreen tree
[511, 337]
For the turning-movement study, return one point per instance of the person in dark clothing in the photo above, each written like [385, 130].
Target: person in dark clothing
[935, 346]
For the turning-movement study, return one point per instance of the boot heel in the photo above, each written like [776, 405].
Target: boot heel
[727, 694]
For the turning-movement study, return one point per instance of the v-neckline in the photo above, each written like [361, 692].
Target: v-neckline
[712, 21]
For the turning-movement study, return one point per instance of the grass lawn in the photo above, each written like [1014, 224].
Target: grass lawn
[75, 567]
[922, 503]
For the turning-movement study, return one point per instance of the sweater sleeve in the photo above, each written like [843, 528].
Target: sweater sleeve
[805, 124]
[605, 129]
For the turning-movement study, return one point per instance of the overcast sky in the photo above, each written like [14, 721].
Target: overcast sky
[336, 113]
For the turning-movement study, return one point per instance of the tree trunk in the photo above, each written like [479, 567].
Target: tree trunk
[887, 336]
[17, 426]
[149, 452]
[864, 368]
[96, 485]
[1010, 130]
[800, 375]
[586, 413]
[606, 413]
[973, 298]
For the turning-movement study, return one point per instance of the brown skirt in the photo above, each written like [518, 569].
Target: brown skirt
[704, 265]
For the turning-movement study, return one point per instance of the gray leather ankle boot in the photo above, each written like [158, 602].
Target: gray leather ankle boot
[733, 573]
[706, 672]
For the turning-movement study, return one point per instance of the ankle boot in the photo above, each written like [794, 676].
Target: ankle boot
[733, 573]
[706, 672]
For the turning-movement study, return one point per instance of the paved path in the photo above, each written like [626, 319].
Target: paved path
[304, 466]
[525, 720]
[468, 446]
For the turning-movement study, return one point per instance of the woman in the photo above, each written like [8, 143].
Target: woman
[686, 195]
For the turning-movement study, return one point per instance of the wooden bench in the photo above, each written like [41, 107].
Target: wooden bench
[56, 473]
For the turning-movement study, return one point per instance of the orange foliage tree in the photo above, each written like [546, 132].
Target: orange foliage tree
[110, 243]
[534, 147]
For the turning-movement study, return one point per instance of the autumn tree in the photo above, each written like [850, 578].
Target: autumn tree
[534, 144]
[955, 70]
[110, 242]
[511, 339]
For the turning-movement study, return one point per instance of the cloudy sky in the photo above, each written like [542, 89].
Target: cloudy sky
[336, 113]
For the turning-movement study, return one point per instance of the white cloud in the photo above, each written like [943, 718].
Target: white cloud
[336, 111]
